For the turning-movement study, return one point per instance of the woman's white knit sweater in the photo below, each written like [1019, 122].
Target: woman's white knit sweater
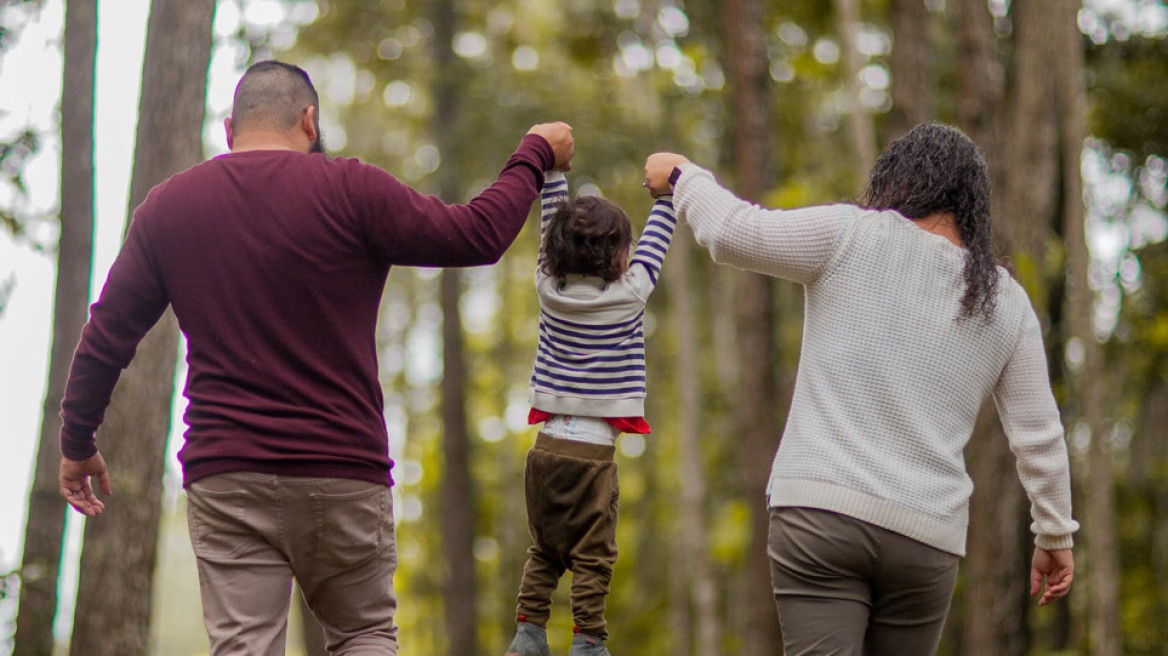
[890, 379]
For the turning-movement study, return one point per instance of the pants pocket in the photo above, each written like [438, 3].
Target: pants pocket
[350, 526]
[217, 521]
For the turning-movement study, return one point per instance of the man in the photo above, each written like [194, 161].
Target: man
[274, 258]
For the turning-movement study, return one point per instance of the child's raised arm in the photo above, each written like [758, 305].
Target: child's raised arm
[553, 196]
[655, 239]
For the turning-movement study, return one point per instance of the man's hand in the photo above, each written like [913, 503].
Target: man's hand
[74, 483]
[559, 136]
[658, 168]
[1057, 568]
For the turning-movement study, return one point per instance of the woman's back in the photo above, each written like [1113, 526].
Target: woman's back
[891, 378]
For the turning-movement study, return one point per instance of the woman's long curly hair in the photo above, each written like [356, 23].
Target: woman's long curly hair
[936, 168]
[588, 236]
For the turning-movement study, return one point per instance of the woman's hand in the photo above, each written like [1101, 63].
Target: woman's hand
[658, 168]
[1054, 568]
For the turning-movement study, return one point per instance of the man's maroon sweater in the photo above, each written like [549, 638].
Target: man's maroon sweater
[275, 262]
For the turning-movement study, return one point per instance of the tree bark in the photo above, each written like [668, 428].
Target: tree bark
[458, 510]
[696, 562]
[746, 63]
[992, 623]
[1031, 141]
[860, 127]
[115, 591]
[45, 525]
[981, 81]
[912, 75]
[1106, 635]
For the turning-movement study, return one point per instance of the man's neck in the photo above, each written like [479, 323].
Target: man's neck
[264, 140]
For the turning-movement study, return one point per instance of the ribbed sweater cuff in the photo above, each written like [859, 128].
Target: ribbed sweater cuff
[1054, 542]
[946, 535]
[77, 446]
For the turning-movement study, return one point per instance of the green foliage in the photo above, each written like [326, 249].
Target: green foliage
[6, 287]
[1128, 82]
[629, 85]
[13, 14]
[14, 155]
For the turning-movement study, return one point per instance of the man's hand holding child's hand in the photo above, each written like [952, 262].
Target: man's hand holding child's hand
[559, 137]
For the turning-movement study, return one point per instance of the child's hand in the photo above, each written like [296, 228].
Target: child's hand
[658, 168]
[559, 137]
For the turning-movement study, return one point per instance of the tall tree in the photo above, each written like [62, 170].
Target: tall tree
[912, 79]
[860, 128]
[747, 65]
[46, 514]
[458, 508]
[995, 561]
[115, 591]
[1091, 380]
[702, 591]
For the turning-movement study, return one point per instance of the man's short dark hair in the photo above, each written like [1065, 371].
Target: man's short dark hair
[272, 95]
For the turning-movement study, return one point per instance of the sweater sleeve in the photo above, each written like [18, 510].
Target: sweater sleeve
[792, 244]
[130, 304]
[551, 198]
[1031, 420]
[655, 239]
[406, 227]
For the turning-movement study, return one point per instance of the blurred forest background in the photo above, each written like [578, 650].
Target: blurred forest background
[789, 102]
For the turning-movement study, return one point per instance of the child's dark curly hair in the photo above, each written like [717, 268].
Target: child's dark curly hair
[936, 168]
[587, 236]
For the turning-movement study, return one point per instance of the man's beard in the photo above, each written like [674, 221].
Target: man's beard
[317, 145]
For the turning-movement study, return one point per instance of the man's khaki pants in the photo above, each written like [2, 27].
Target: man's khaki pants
[252, 533]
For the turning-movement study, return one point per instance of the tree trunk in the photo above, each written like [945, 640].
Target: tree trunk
[1091, 382]
[912, 76]
[46, 513]
[996, 606]
[723, 283]
[980, 83]
[696, 561]
[745, 60]
[458, 511]
[115, 591]
[991, 621]
[1032, 142]
[860, 129]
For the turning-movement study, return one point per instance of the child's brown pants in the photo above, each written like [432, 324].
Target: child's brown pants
[571, 490]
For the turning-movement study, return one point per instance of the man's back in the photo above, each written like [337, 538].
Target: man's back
[264, 258]
[274, 262]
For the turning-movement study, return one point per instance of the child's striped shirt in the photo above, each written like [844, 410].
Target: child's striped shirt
[590, 360]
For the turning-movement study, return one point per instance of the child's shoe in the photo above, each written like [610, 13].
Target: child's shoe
[586, 645]
[530, 640]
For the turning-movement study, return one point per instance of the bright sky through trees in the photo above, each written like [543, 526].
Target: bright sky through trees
[30, 88]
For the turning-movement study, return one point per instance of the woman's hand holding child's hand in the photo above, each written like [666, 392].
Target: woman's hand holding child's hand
[658, 168]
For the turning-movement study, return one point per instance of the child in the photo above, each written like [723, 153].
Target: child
[588, 387]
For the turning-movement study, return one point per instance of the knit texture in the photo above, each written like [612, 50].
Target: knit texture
[590, 360]
[890, 379]
[275, 263]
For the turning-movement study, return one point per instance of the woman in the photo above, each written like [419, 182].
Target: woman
[909, 326]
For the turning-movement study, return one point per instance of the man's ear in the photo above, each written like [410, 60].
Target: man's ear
[308, 123]
[227, 129]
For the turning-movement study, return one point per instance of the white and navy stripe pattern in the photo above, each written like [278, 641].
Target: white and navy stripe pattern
[590, 359]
